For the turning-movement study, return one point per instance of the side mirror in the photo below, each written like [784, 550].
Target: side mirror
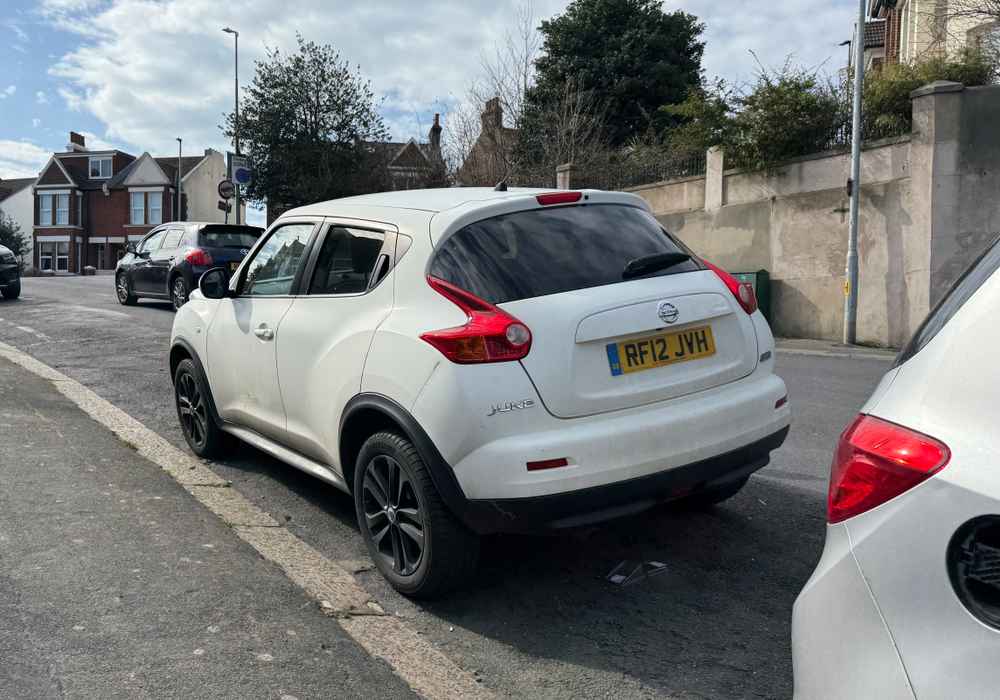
[130, 248]
[214, 283]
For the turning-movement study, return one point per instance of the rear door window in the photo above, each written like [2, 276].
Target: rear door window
[230, 236]
[549, 251]
[172, 239]
[346, 261]
[963, 289]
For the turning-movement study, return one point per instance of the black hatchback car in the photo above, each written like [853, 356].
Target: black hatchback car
[10, 274]
[168, 262]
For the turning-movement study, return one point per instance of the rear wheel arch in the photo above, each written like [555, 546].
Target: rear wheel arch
[368, 414]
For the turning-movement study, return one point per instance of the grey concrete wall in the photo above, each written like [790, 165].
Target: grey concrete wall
[793, 223]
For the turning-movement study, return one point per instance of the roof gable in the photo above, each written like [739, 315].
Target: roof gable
[55, 174]
[145, 171]
[410, 156]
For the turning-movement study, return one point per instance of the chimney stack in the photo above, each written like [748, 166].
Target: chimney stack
[435, 135]
[76, 142]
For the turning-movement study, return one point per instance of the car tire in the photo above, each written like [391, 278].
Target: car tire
[179, 292]
[123, 290]
[192, 398]
[420, 548]
[12, 291]
[712, 497]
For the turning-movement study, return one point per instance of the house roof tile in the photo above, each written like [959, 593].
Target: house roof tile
[14, 185]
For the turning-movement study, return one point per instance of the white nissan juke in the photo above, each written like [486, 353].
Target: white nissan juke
[468, 361]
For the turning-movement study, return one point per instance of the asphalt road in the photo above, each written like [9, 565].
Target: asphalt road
[541, 620]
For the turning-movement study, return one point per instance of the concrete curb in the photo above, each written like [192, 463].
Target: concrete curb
[845, 354]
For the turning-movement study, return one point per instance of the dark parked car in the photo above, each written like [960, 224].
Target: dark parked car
[10, 274]
[168, 262]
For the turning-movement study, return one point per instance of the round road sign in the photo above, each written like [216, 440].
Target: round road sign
[227, 190]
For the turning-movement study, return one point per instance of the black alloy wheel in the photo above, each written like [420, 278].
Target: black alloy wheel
[393, 514]
[192, 411]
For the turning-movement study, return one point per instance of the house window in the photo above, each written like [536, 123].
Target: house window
[79, 210]
[62, 209]
[46, 251]
[62, 256]
[138, 217]
[44, 210]
[100, 168]
[156, 207]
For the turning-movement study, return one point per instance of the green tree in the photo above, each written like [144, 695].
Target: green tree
[706, 119]
[629, 54]
[12, 237]
[307, 122]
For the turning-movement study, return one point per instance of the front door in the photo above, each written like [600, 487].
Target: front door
[246, 330]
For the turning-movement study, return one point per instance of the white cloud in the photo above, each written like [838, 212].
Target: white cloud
[41, 98]
[8, 91]
[36, 122]
[96, 143]
[151, 81]
[151, 71]
[21, 158]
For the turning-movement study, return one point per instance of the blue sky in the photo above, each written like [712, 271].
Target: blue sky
[135, 74]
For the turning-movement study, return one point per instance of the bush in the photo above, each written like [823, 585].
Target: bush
[886, 96]
[12, 237]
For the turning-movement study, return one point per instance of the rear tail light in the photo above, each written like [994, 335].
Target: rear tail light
[199, 257]
[743, 291]
[490, 334]
[547, 464]
[877, 461]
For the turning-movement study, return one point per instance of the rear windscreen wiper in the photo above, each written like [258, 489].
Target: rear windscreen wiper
[653, 263]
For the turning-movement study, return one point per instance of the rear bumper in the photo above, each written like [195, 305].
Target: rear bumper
[600, 503]
[841, 647]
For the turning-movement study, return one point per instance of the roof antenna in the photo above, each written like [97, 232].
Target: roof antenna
[501, 186]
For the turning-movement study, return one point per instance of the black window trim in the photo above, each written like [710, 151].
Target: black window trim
[236, 284]
[389, 233]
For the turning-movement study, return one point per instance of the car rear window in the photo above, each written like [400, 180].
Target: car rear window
[963, 289]
[549, 251]
[229, 236]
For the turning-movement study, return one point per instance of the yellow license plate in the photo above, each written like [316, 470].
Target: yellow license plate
[659, 350]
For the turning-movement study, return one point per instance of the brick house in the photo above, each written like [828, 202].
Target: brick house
[89, 204]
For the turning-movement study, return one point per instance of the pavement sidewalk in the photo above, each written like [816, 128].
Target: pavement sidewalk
[827, 348]
[115, 582]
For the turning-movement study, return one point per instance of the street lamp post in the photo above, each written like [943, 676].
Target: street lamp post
[236, 93]
[178, 216]
[851, 271]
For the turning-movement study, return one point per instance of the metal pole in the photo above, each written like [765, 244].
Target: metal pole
[178, 216]
[236, 84]
[851, 272]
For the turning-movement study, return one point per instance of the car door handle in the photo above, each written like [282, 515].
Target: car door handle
[263, 332]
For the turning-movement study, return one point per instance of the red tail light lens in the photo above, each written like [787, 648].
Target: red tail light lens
[877, 461]
[741, 290]
[490, 335]
[199, 257]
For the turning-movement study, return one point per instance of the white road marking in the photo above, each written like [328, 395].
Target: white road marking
[100, 312]
[412, 657]
[32, 331]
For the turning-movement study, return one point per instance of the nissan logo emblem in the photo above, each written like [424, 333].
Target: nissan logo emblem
[667, 312]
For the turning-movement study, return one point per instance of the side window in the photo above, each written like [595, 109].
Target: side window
[172, 239]
[346, 261]
[272, 270]
[152, 243]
